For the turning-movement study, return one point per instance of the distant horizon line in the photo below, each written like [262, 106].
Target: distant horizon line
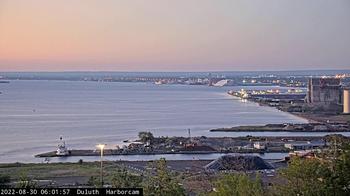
[215, 71]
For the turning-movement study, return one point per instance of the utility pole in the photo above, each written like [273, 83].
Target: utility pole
[101, 147]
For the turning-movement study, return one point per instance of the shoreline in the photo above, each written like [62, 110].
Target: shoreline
[305, 117]
[320, 117]
[288, 127]
[199, 146]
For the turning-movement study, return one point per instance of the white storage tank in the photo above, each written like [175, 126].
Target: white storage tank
[346, 103]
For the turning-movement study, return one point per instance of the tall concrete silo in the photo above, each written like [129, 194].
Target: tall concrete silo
[346, 103]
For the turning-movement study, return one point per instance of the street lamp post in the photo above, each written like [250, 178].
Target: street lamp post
[101, 147]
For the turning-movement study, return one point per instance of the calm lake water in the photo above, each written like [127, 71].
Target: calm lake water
[33, 114]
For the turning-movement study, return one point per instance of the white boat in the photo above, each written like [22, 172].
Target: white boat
[62, 149]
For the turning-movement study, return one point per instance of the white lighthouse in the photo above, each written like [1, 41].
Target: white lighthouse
[61, 148]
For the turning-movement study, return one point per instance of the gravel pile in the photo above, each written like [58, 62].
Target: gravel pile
[238, 163]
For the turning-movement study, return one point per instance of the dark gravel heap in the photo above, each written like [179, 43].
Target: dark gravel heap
[238, 163]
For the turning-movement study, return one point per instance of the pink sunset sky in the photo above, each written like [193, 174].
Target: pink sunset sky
[174, 35]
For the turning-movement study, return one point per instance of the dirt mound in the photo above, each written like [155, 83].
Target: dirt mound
[238, 163]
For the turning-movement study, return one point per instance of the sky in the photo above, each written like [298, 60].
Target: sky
[174, 35]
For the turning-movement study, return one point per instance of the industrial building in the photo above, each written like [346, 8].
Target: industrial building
[324, 91]
[304, 145]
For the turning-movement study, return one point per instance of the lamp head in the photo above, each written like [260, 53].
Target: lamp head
[101, 146]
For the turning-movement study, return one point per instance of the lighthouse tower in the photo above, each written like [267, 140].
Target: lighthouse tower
[61, 148]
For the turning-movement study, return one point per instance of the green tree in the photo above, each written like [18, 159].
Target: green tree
[304, 177]
[339, 180]
[338, 158]
[94, 181]
[238, 185]
[4, 181]
[26, 182]
[327, 175]
[146, 137]
[123, 179]
[161, 182]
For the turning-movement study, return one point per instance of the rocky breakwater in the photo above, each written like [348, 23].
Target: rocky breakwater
[306, 127]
